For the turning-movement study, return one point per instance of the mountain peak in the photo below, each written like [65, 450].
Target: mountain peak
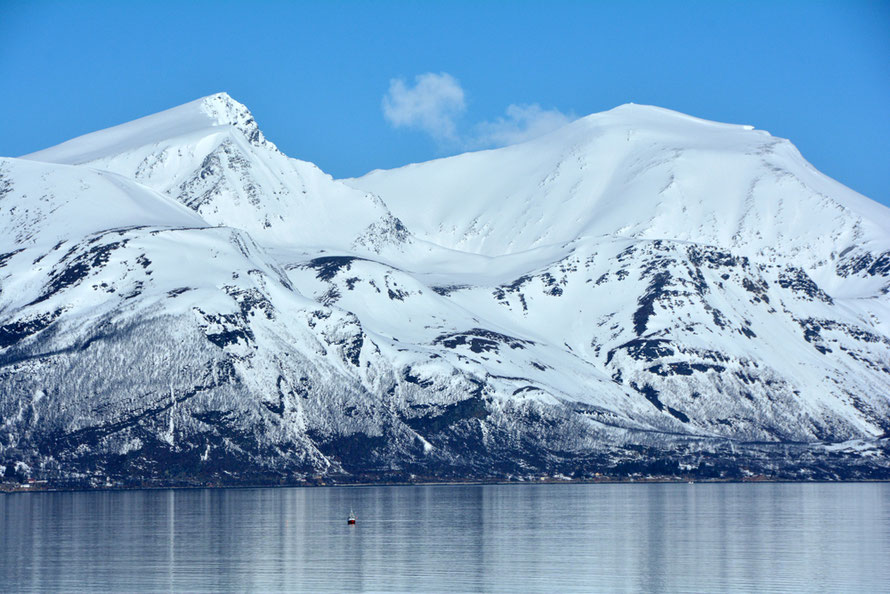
[225, 111]
[222, 103]
[655, 117]
[639, 172]
[198, 118]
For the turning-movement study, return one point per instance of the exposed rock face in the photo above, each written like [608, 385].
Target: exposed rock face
[638, 293]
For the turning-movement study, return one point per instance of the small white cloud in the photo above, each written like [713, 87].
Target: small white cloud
[431, 105]
[435, 103]
[522, 122]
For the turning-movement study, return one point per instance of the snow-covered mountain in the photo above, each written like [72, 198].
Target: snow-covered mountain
[211, 156]
[639, 292]
[639, 172]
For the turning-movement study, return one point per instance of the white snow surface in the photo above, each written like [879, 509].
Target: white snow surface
[638, 172]
[210, 155]
[638, 272]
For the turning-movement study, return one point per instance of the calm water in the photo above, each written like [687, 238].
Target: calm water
[544, 538]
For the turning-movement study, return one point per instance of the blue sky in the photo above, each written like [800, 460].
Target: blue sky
[315, 74]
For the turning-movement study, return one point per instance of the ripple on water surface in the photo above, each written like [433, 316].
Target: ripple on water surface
[544, 538]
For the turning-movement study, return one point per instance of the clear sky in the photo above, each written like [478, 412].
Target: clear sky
[315, 74]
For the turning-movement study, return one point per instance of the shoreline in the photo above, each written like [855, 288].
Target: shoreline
[5, 490]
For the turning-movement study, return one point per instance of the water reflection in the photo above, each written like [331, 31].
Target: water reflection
[703, 537]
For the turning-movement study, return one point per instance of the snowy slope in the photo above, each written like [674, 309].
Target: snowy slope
[211, 156]
[638, 292]
[642, 208]
[637, 172]
[128, 328]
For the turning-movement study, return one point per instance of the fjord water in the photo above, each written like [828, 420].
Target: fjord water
[530, 538]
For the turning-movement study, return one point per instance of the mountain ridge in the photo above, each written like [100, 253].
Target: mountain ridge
[626, 154]
[218, 110]
[579, 305]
